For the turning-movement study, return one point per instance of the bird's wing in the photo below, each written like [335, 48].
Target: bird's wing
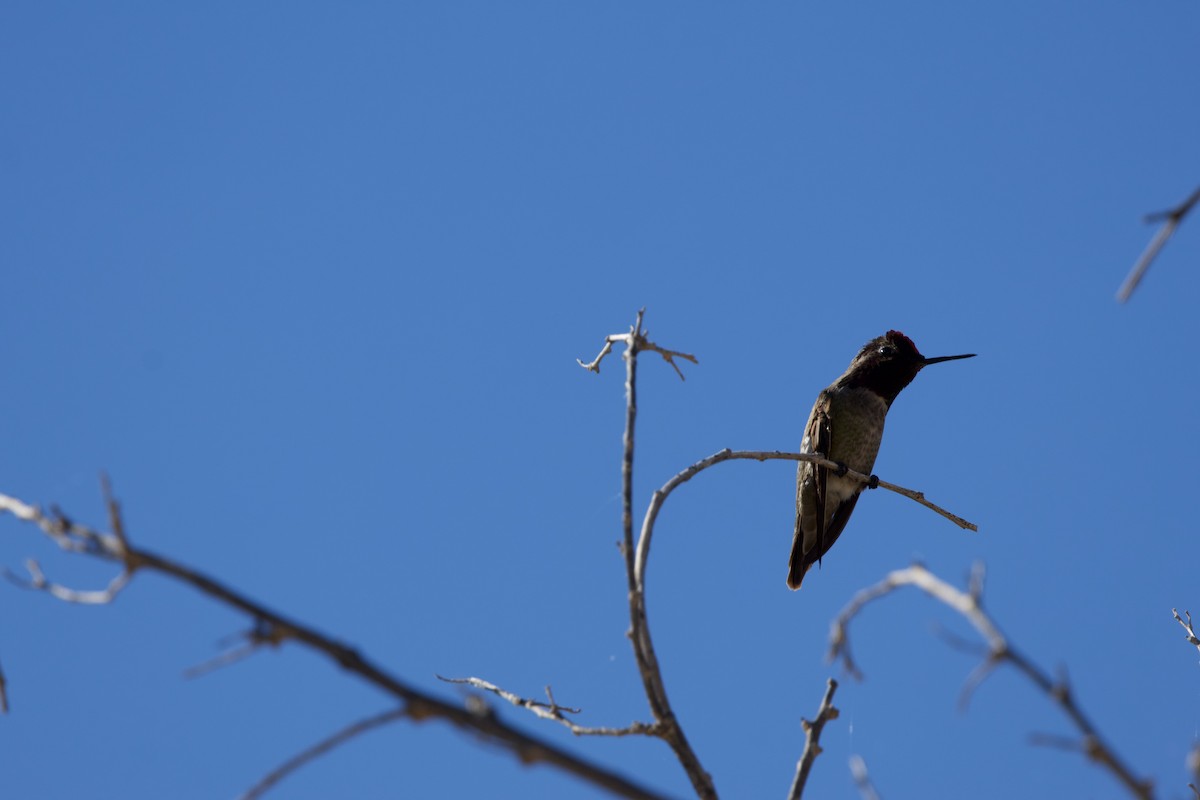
[808, 542]
[820, 435]
[836, 525]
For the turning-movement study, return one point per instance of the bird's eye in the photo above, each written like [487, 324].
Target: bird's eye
[887, 350]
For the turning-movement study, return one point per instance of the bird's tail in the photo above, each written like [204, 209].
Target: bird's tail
[797, 567]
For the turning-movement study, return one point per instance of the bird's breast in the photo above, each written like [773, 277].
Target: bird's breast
[856, 427]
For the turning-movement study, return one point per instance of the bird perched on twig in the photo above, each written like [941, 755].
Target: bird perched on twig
[846, 426]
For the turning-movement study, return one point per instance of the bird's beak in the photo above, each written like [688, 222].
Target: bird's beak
[925, 362]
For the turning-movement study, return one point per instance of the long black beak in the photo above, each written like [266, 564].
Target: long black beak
[925, 362]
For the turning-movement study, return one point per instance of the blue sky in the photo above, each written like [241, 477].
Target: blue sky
[309, 281]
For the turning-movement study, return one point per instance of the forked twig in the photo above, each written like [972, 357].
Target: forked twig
[1187, 626]
[1000, 651]
[643, 343]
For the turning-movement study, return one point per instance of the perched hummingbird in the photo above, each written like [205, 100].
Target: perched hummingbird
[846, 426]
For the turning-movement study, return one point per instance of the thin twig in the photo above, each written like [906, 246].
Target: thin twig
[763, 455]
[1187, 626]
[1170, 219]
[251, 642]
[553, 711]
[969, 605]
[418, 705]
[38, 580]
[643, 343]
[321, 748]
[594, 364]
[858, 770]
[3, 693]
[666, 725]
[812, 740]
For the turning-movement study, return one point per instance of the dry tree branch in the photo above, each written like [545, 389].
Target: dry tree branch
[417, 705]
[553, 711]
[862, 779]
[37, 580]
[1187, 626]
[643, 343]
[3, 693]
[812, 740]
[1000, 651]
[686, 475]
[667, 725]
[1170, 219]
[321, 748]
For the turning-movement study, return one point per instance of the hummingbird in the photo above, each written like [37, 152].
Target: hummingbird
[846, 426]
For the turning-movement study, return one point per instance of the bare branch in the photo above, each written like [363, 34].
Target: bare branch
[812, 740]
[252, 640]
[553, 711]
[38, 581]
[1187, 626]
[3, 693]
[594, 364]
[418, 705]
[669, 356]
[321, 748]
[667, 725]
[1170, 219]
[763, 455]
[920, 498]
[858, 769]
[969, 605]
[643, 343]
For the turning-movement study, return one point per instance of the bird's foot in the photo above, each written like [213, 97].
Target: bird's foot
[873, 483]
[841, 470]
